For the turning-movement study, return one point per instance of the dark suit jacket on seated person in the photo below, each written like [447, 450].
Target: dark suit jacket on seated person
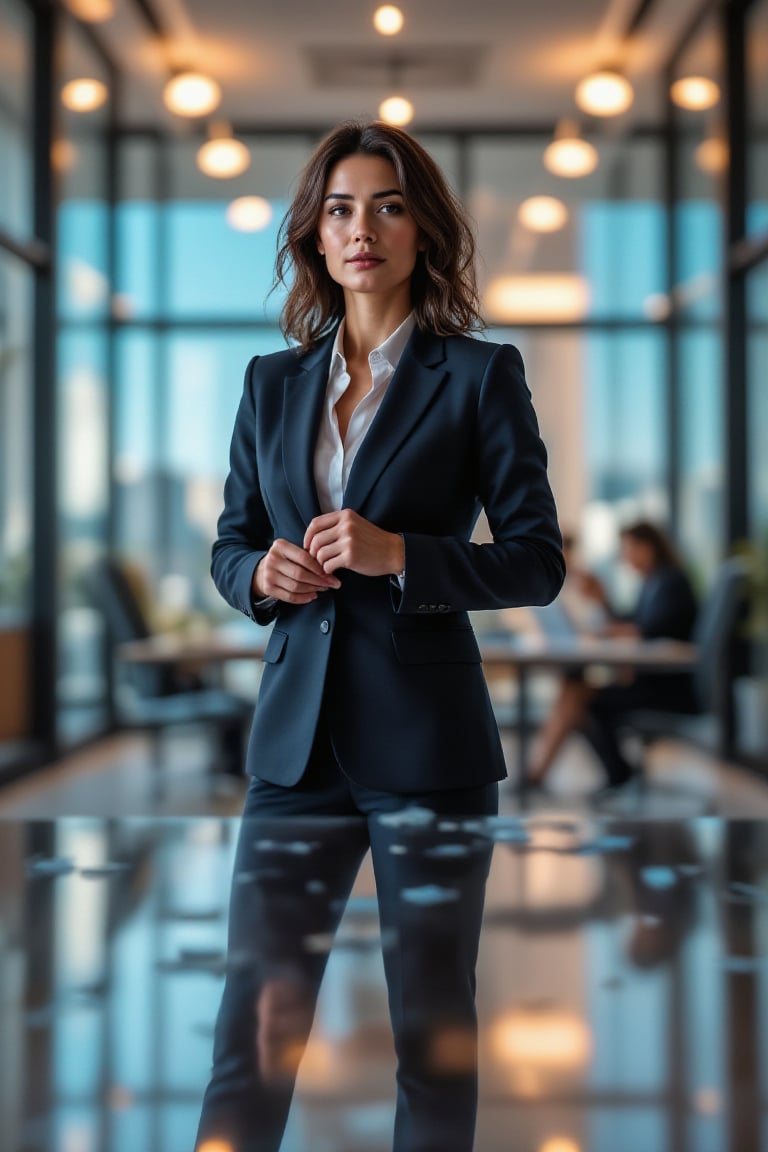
[397, 672]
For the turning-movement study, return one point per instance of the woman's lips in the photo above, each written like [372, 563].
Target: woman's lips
[363, 262]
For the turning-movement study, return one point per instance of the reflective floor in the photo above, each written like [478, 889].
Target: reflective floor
[622, 979]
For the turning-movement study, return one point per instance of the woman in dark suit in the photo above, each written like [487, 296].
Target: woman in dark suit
[360, 461]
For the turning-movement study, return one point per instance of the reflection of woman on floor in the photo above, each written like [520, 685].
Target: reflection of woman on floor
[666, 608]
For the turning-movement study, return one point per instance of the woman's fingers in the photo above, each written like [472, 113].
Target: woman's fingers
[290, 573]
[346, 540]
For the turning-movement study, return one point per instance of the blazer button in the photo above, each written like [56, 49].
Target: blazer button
[423, 608]
[325, 626]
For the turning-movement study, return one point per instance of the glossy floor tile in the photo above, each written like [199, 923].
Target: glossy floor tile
[622, 980]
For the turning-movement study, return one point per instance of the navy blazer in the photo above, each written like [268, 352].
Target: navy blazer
[397, 673]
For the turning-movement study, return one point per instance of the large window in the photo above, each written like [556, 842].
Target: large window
[15, 88]
[757, 127]
[83, 403]
[16, 320]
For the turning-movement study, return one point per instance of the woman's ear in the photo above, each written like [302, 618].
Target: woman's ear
[320, 248]
[423, 243]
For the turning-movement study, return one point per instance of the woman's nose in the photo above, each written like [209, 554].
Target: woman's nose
[364, 229]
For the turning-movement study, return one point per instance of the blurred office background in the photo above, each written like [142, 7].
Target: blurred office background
[134, 286]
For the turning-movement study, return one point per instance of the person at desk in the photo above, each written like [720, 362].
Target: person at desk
[666, 609]
[360, 460]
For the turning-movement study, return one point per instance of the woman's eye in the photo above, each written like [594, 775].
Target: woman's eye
[391, 209]
[337, 210]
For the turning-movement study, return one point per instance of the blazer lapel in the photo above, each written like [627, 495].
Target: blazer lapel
[303, 396]
[417, 378]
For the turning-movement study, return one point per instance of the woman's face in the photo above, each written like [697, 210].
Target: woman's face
[365, 232]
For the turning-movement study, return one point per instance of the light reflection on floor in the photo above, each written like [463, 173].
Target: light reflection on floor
[622, 990]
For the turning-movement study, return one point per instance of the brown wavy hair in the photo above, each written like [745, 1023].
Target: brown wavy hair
[665, 554]
[443, 287]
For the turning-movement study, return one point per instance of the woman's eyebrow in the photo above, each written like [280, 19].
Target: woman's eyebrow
[375, 196]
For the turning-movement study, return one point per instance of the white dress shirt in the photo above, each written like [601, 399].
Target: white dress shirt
[334, 457]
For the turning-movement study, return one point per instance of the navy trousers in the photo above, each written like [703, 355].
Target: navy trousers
[298, 854]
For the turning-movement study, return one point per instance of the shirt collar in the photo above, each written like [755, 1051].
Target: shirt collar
[390, 350]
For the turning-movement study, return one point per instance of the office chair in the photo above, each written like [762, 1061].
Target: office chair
[158, 697]
[710, 725]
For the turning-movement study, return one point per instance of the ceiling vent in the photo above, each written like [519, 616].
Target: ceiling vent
[457, 66]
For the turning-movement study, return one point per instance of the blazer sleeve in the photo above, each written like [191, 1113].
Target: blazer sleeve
[524, 563]
[244, 532]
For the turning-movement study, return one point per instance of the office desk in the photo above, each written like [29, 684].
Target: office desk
[521, 656]
[517, 655]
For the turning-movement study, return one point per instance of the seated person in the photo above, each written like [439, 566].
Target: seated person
[666, 608]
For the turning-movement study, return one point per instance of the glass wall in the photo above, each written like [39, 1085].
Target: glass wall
[83, 399]
[757, 127]
[16, 318]
[15, 125]
[701, 158]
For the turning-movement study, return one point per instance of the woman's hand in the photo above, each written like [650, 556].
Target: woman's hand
[289, 573]
[345, 540]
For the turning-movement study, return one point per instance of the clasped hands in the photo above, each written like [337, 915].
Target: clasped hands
[332, 541]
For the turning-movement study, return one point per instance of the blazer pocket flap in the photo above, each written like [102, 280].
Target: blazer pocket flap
[273, 652]
[457, 647]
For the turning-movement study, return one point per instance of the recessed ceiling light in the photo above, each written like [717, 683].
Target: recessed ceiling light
[192, 94]
[542, 213]
[249, 213]
[695, 93]
[222, 156]
[396, 110]
[568, 154]
[388, 20]
[84, 95]
[605, 93]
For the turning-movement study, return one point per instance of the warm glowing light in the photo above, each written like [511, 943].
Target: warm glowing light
[537, 298]
[695, 93]
[92, 11]
[388, 20]
[605, 93]
[552, 1039]
[216, 1146]
[64, 155]
[192, 94]
[712, 155]
[84, 95]
[542, 213]
[396, 110]
[249, 213]
[568, 154]
[559, 1144]
[223, 158]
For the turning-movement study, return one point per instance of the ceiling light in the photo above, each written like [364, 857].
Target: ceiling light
[712, 155]
[542, 213]
[695, 93]
[388, 20]
[537, 298]
[223, 159]
[91, 11]
[559, 1144]
[605, 93]
[191, 94]
[84, 95]
[64, 155]
[396, 110]
[568, 154]
[249, 213]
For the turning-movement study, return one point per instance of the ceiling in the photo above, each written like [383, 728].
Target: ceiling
[300, 63]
